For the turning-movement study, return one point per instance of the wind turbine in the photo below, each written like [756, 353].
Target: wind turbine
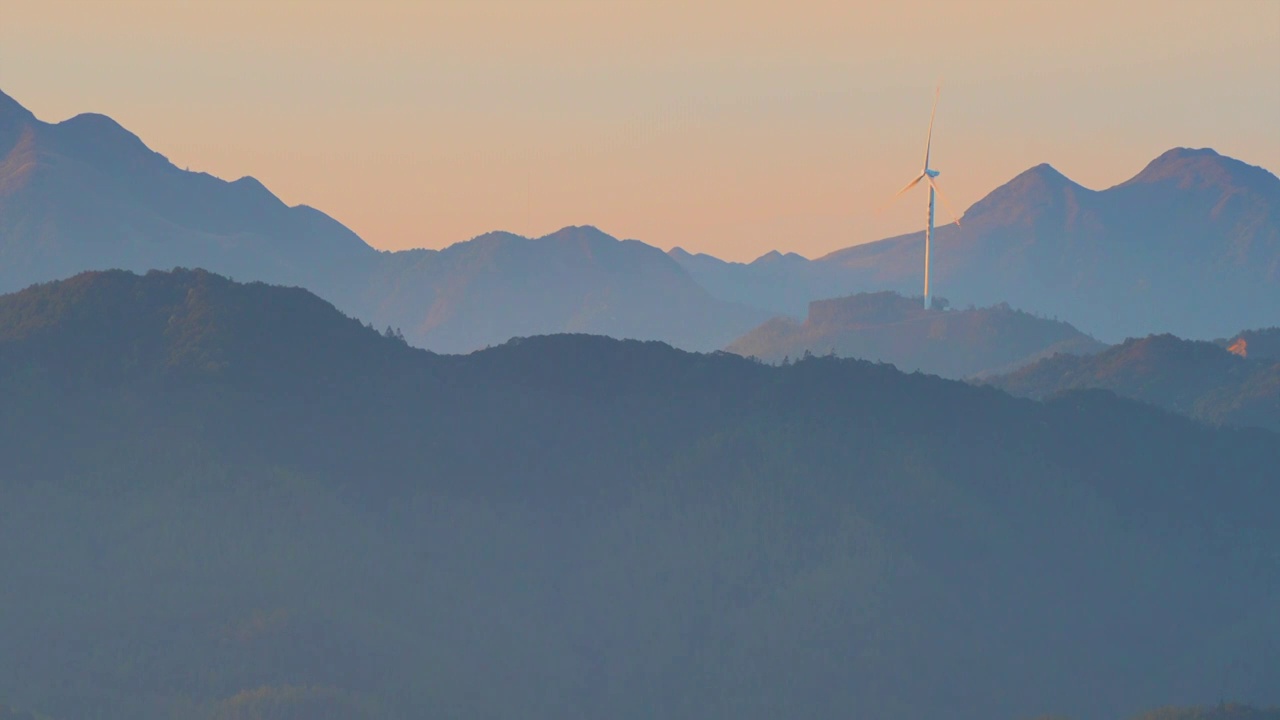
[928, 174]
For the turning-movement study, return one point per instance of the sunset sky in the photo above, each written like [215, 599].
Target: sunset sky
[724, 127]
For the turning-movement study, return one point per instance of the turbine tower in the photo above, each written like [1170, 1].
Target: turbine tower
[928, 174]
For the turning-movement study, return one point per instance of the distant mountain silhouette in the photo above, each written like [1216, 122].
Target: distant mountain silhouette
[86, 194]
[888, 327]
[578, 279]
[774, 282]
[226, 501]
[1199, 379]
[1190, 245]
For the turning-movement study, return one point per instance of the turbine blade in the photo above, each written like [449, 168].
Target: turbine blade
[905, 188]
[910, 185]
[929, 140]
[945, 204]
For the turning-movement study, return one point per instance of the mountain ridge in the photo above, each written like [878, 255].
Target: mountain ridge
[1199, 379]
[87, 194]
[577, 279]
[1116, 261]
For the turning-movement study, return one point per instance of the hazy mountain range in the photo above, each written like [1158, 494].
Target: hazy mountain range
[887, 327]
[578, 279]
[781, 284]
[227, 501]
[1200, 379]
[87, 194]
[1190, 245]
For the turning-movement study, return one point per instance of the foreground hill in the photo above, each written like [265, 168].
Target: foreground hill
[225, 500]
[1222, 711]
[300, 702]
[887, 327]
[1190, 245]
[1199, 379]
[86, 194]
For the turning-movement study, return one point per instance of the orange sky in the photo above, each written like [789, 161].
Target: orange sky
[724, 127]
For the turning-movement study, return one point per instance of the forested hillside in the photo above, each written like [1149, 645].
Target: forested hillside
[231, 501]
[1201, 379]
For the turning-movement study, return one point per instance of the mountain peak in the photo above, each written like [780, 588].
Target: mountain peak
[11, 110]
[1032, 188]
[105, 142]
[581, 233]
[1042, 173]
[8, 105]
[1197, 167]
[1182, 153]
[1042, 177]
[250, 187]
[773, 256]
[97, 123]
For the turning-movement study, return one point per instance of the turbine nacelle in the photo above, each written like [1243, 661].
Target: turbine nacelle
[931, 173]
